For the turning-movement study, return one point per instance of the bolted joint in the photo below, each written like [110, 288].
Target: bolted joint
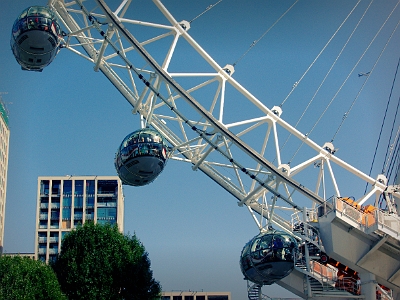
[277, 111]
[329, 147]
[185, 25]
[229, 69]
[381, 179]
[284, 168]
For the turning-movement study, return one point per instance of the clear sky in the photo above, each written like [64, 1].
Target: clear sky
[70, 120]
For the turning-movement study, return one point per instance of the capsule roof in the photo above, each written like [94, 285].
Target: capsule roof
[41, 11]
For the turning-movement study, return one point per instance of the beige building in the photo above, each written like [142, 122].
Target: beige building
[192, 295]
[4, 145]
[65, 202]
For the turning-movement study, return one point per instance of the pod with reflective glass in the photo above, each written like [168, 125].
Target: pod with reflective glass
[268, 257]
[141, 157]
[35, 38]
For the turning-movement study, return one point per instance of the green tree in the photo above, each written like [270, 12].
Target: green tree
[24, 278]
[98, 262]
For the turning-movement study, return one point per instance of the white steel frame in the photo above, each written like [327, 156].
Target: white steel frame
[197, 124]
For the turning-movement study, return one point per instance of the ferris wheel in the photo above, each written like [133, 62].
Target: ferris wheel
[196, 116]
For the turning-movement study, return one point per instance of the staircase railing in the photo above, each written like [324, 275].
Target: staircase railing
[383, 294]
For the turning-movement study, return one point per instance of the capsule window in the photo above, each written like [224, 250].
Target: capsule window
[36, 48]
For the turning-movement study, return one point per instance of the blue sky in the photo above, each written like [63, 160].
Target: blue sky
[70, 120]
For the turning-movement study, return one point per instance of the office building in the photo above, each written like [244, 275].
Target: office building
[192, 295]
[65, 202]
[4, 145]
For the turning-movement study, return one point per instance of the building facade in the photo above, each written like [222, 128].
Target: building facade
[65, 202]
[4, 145]
[192, 295]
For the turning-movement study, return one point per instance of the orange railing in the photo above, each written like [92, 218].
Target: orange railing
[367, 217]
[348, 284]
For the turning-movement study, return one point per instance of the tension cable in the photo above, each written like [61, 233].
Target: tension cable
[206, 10]
[256, 41]
[383, 123]
[369, 74]
[319, 54]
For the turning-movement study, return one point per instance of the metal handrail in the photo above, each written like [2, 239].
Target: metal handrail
[367, 221]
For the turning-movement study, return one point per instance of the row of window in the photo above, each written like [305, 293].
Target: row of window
[4, 131]
[3, 158]
[80, 187]
[78, 202]
[4, 144]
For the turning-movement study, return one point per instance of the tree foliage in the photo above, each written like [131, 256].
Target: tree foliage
[98, 262]
[24, 278]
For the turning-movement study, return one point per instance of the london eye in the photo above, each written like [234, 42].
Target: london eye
[333, 238]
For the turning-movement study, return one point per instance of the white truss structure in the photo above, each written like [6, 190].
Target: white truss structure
[208, 118]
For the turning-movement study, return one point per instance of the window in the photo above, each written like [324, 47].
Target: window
[106, 201]
[53, 238]
[42, 258]
[67, 201]
[54, 224]
[107, 213]
[43, 224]
[102, 222]
[55, 214]
[78, 195]
[42, 237]
[79, 187]
[107, 187]
[90, 187]
[44, 202]
[200, 297]
[78, 201]
[218, 297]
[89, 214]
[67, 188]
[55, 189]
[66, 213]
[78, 214]
[44, 187]
[90, 191]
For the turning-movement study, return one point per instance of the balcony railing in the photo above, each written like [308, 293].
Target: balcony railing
[42, 239]
[106, 204]
[53, 239]
[106, 194]
[53, 251]
[43, 217]
[367, 220]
